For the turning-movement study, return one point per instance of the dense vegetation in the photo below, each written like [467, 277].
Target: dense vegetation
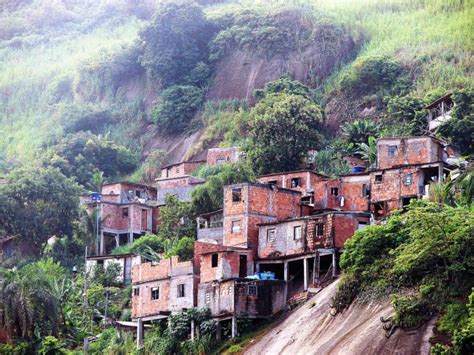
[89, 91]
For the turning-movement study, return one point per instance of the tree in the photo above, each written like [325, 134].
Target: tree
[38, 203]
[175, 221]
[177, 107]
[368, 151]
[82, 155]
[282, 128]
[210, 195]
[359, 131]
[407, 111]
[176, 41]
[284, 85]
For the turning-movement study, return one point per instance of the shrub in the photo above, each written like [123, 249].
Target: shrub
[76, 118]
[51, 346]
[284, 85]
[175, 41]
[407, 111]
[371, 74]
[177, 106]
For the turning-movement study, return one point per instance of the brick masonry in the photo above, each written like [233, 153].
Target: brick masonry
[218, 156]
[307, 179]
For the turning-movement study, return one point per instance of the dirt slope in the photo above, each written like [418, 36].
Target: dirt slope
[312, 330]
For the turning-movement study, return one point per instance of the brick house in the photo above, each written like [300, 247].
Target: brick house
[303, 181]
[247, 204]
[126, 211]
[181, 169]
[219, 156]
[159, 289]
[180, 187]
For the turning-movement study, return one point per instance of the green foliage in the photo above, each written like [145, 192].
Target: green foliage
[428, 251]
[183, 249]
[282, 129]
[455, 316]
[83, 154]
[264, 32]
[407, 111]
[77, 118]
[368, 151]
[175, 42]
[210, 195]
[177, 106]
[284, 85]
[372, 74]
[359, 131]
[43, 197]
[51, 346]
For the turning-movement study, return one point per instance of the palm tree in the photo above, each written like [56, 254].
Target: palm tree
[359, 131]
[368, 151]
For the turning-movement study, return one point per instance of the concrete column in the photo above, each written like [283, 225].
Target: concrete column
[130, 238]
[285, 277]
[257, 267]
[86, 345]
[101, 250]
[218, 330]
[234, 327]
[117, 240]
[317, 267]
[440, 173]
[305, 274]
[334, 263]
[139, 333]
[192, 329]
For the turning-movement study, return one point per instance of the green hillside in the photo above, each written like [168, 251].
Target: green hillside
[73, 61]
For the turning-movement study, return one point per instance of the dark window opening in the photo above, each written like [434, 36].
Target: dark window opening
[295, 182]
[125, 212]
[243, 266]
[273, 182]
[271, 235]
[361, 225]
[168, 171]
[214, 260]
[138, 193]
[365, 190]
[236, 195]
[408, 179]
[334, 191]
[319, 229]
[378, 178]
[392, 149]
[252, 290]
[136, 291]
[181, 292]
[155, 293]
[406, 200]
[220, 160]
[100, 262]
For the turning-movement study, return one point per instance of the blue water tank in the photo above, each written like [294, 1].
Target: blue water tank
[358, 169]
[95, 196]
[267, 275]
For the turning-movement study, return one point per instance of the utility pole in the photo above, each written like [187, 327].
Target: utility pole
[85, 278]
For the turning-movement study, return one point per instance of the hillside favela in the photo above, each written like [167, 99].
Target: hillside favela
[237, 177]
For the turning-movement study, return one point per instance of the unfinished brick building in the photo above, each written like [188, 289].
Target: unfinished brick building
[160, 289]
[219, 156]
[127, 211]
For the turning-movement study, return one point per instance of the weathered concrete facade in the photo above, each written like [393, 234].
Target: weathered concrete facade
[303, 181]
[180, 169]
[180, 187]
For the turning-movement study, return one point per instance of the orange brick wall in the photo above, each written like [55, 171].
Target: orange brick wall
[308, 180]
[410, 150]
[179, 170]
[111, 215]
[230, 155]
[392, 187]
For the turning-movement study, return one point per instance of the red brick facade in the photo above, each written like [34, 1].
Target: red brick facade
[180, 169]
[303, 181]
[218, 156]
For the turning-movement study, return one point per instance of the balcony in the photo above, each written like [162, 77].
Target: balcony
[210, 226]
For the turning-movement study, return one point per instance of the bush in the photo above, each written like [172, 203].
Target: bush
[51, 346]
[371, 74]
[177, 107]
[407, 111]
[175, 42]
[76, 118]
[284, 85]
[410, 311]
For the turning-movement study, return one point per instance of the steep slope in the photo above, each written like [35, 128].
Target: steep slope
[312, 330]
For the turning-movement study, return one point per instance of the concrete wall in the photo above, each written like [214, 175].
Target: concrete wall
[410, 150]
[283, 243]
[181, 169]
[228, 265]
[217, 296]
[307, 180]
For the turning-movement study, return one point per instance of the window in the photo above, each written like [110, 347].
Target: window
[136, 291]
[408, 179]
[365, 190]
[271, 235]
[252, 290]
[208, 298]
[138, 194]
[378, 178]
[181, 290]
[236, 195]
[155, 293]
[334, 191]
[295, 182]
[214, 260]
[168, 172]
[273, 182]
[361, 225]
[125, 212]
[177, 170]
[220, 160]
[297, 233]
[319, 229]
[392, 149]
[235, 227]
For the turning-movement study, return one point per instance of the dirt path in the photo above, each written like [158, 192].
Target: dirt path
[312, 330]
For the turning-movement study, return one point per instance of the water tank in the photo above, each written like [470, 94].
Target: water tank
[95, 196]
[358, 169]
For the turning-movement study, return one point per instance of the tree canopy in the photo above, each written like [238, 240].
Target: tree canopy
[282, 129]
[38, 203]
